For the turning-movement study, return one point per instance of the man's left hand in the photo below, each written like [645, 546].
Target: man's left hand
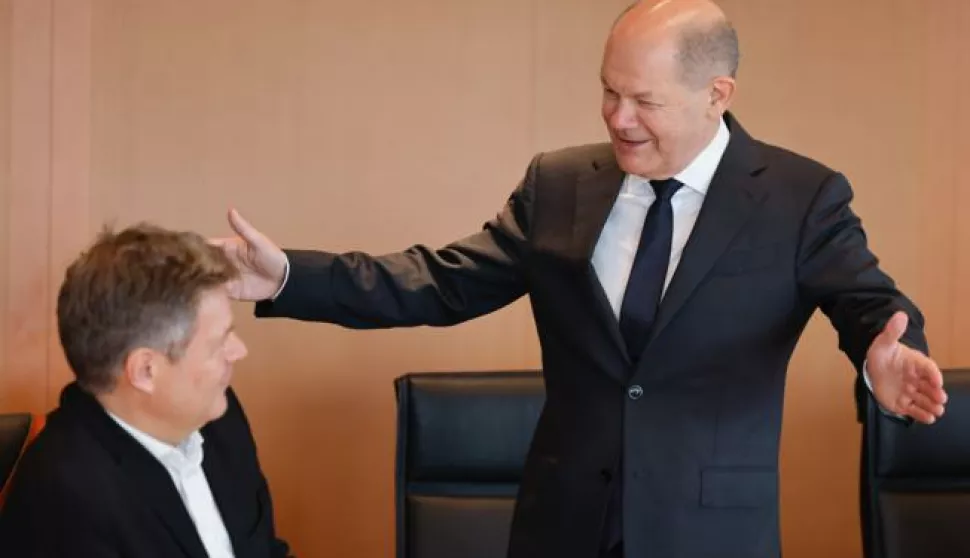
[904, 381]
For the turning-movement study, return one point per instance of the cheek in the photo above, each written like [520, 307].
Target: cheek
[659, 126]
[178, 395]
[210, 391]
[210, 377]
[671, 136]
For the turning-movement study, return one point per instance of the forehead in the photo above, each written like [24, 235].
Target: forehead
[214, 312]
[640, 63]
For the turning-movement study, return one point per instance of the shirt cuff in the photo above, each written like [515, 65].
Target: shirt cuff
[286, 277]
[865, 378]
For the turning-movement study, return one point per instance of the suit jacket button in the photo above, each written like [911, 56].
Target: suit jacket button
[635, 392]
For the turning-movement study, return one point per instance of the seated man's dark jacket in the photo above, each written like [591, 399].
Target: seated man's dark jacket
[86, 488]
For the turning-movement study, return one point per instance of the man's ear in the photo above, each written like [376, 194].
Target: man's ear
[722, 94]
[141, 368]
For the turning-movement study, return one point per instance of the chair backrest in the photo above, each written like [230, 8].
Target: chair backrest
[916, 494]
[462, 440]
[16, 431]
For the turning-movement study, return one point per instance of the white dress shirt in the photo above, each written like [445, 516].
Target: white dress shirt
[184, 465]
[617, 244]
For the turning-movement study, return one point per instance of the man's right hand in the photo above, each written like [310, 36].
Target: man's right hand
[261, 263]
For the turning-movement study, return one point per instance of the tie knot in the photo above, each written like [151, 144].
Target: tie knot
[665, 189]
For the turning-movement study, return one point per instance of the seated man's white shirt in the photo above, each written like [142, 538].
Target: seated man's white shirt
[184, 465]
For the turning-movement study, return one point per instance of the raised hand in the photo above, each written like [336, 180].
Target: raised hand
[262, 264]
[904, 381]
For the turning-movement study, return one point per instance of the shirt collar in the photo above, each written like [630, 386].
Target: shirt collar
[187, 453]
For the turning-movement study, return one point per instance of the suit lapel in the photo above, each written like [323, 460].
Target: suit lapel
[225, 493]
[732, 197]
[155, 484]
[147, 477]
[596, 193]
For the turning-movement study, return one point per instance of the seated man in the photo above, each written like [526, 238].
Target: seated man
[149, 453]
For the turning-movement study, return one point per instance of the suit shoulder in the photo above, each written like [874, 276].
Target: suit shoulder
[561, 168]
[574, 159]
[58, 447]
[788, 161]
[63, 463]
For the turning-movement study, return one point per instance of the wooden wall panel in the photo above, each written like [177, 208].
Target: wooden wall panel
[569, 38]
[25, 322]
[6, 42]
[948, 146]
[70, 144]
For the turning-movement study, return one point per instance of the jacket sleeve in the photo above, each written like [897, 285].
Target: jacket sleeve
[838, 273]
[418, 286]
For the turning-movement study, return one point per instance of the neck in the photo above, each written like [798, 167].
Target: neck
[703, 141]
[140, 418]
[699, 144]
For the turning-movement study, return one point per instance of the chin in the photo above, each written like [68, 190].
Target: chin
[640, 168]
[640, 164]
[219, 406]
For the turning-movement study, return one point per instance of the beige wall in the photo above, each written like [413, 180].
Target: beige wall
[5, 207]
[373, 125]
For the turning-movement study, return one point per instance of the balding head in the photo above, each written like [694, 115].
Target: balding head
[705, 42]
[668, 77]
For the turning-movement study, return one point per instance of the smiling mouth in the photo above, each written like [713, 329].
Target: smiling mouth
[632, 143]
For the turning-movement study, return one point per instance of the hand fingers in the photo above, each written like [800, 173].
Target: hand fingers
[927, 371]
[919, 369]
[221, 242]
[242, 227]
[233, 247]
[924, 403]
[934, 393]
[908, 406]
[920, 415]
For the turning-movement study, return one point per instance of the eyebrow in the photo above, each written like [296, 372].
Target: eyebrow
[643, 96]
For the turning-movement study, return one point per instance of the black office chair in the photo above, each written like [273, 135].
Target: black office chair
[916, 484]
[16, 431]
[461, 444]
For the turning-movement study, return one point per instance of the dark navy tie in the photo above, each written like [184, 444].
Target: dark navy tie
[642, 297]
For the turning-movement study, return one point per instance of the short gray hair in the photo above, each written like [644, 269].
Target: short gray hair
[708, 51]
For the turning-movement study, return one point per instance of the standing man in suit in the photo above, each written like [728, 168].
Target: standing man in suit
[671, 273]
[149, 454]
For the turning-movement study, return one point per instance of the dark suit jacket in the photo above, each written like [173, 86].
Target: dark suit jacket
[774, 241]
[85, 487]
